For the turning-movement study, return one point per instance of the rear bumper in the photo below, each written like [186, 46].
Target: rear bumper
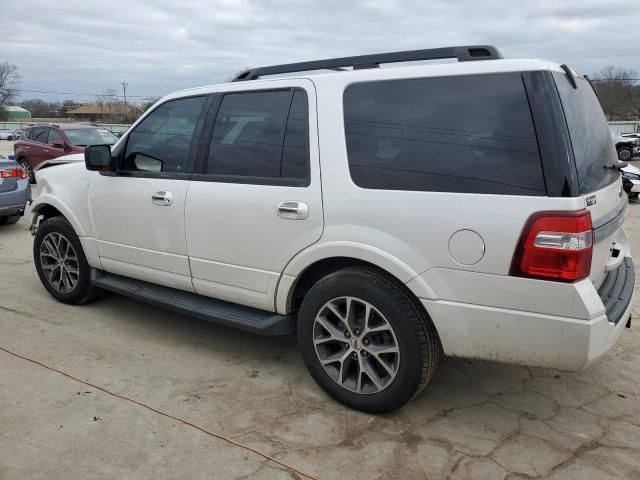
[538, 339]
[12, 210]
[14, 202]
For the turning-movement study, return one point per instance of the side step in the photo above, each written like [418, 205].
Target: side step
[217, 311]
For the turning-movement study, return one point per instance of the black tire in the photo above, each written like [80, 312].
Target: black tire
[417, 339]
[27, 168]
[625, 153]
[10, 138]
[9, 220]
[633, 195]
[84, 290]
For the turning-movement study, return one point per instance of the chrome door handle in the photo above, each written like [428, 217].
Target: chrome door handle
[293, 210]
[162, 199]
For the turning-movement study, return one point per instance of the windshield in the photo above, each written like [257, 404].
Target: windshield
[592, 141]
[83, 137]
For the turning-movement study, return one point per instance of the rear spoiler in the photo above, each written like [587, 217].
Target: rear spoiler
[572, 80]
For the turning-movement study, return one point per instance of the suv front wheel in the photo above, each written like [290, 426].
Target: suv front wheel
[365, 341]
[61, 264]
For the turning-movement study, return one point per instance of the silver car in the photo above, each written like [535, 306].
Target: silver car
[14, 191]
[10, 135]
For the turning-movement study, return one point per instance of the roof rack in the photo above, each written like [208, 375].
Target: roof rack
[462, 53]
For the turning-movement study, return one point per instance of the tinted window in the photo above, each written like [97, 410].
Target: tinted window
[449, 134]
[249, 135]
[39, 134]
[161, 142]
[91, 136]
[26, 133]
[54, 136]
[593, 146]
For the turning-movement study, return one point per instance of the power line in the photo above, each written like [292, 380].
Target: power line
[86, 94]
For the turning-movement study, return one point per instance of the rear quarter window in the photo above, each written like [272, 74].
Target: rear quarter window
[593, 146]
[470, 134]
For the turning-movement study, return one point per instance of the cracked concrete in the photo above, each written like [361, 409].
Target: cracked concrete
[476, 420]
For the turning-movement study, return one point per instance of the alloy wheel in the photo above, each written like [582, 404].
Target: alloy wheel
[356, 345]
[25, 166]
[59, 262]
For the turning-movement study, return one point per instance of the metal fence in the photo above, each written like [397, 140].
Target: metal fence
[625, 127]
[112, 127]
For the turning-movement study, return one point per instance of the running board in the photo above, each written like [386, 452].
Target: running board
[205, 308]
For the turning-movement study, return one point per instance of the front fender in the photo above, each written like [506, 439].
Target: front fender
[44, 200]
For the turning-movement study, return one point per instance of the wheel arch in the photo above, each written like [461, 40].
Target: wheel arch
[312, 264]
[47, 206]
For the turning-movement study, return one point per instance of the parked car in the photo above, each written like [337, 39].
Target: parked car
[9, 135]
[14, 191]
[626, 147]
[213, 204]
[631, 180]
[42, 142]
[630, 135]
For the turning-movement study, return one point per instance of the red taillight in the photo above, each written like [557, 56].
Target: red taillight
[13, 173]
[555, 246]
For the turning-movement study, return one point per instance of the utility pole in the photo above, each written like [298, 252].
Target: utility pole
[124, 91]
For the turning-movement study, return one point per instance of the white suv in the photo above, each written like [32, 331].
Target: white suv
[388, 215]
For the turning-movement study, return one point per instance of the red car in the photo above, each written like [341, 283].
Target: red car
[41, 142]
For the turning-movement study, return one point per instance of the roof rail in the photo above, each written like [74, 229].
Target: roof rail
[462, 53]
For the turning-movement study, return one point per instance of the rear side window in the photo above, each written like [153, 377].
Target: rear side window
[54, 136]
[591, 139]
[39, 134]
[471, 134]
[261, 135]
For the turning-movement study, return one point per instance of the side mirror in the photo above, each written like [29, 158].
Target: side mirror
[57, 144]
[97, 157]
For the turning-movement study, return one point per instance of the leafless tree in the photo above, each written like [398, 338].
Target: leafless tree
[9, 82]
[106, 100]
[618, 92]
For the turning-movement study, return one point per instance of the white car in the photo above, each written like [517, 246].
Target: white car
[9, 135]
[386, 215]
[631, 180]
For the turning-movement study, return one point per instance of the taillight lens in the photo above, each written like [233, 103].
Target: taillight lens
[555, 246]
[13, 173]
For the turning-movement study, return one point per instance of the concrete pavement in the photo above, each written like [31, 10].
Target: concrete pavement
[476, 420]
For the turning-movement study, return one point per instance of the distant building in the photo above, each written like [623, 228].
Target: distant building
[16, 114]
[106, 112]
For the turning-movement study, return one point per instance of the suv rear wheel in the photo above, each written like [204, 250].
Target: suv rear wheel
[365, 341]
[61, 264]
